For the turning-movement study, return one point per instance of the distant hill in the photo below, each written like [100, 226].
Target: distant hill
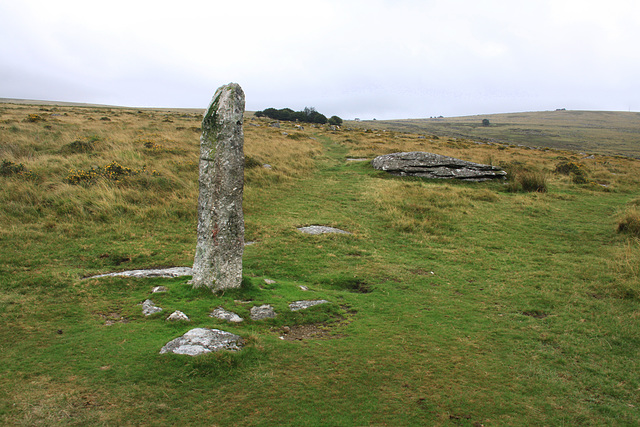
[604, 132]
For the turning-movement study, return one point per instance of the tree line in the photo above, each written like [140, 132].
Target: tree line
[308, 115]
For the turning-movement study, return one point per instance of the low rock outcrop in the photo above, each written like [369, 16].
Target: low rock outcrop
[430, 165]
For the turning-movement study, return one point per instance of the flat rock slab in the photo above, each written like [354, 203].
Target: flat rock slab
[430, 165]
[301, 305]
[160, 272]
[320, 229]
[149, 308]
[262, 312]
[202, 340]
[223, 314]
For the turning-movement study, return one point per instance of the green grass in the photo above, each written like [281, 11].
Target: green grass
[450, 303]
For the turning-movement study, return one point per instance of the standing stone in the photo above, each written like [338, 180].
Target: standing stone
[218, 259]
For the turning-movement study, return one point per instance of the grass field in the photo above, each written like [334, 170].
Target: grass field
[450, 303]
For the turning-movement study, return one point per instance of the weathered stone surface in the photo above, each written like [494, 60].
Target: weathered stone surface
[223, 314]
[202, 340]
[149, 308]
[301, 305]
[159, 272]
[159, 289]
[178, 315]
[430, 165]
[321, 229]
[262, 312]
[218, 258]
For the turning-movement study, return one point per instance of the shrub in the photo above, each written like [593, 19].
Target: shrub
[533, 181]
[84, 145]
[250, 162]
[308, 115]
[629, 222]
[150, 144]
[335, 120]
[577, 171]
[8, 168]
[34, 118]
[113, 171]
[522, 179]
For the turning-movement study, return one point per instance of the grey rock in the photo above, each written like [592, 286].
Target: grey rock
[262, 312]
[303, 288]
[177, 316]
[320, 229]
[430, 165]
[159, 289]
[149, 308]
[223, 314]
[267, 166]
[151, 273]
[202, 340]
[218, 259]
[301, 305]
[269, 282]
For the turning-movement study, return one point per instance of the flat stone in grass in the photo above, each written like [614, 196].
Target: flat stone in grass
[149, 308]
[202, 340]
[301, 305]
[262, 312]
[152, 273]
[222, 314]
[321, 229]
[177, 316]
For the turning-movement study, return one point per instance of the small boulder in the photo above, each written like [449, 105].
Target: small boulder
[222, 314]
[202, 340]
[178, 315]
[159, 289]
[262, 312]
[149, 308]
[301, 305]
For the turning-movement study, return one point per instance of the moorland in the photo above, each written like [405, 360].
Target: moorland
[451, 303]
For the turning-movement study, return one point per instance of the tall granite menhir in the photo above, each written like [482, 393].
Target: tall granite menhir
[218, 259]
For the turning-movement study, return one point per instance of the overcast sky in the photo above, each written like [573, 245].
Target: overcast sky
[351, 58]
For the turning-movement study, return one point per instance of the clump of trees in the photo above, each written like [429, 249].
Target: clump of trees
[308, 115]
